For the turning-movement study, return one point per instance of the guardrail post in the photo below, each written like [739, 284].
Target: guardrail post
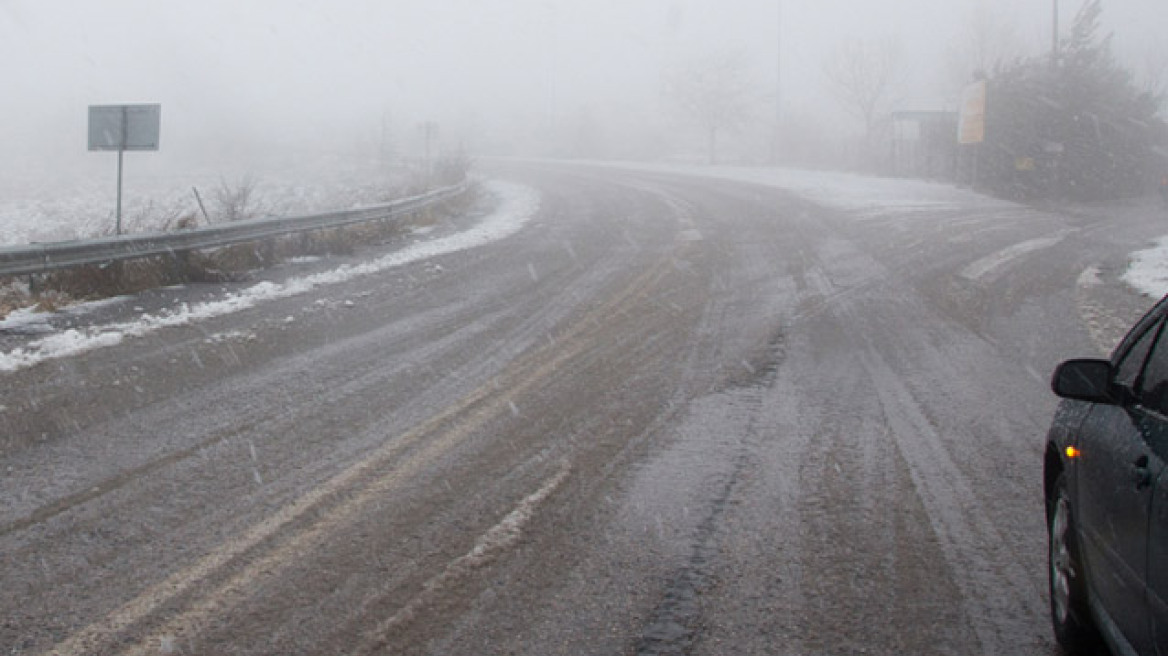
[120, 153]
[181, 265]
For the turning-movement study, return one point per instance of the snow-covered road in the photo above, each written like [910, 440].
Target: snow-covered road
[656, 413]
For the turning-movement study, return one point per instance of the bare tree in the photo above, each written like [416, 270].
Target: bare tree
[986, 42]
[1153, 76]
[713, 92]
[864, 74]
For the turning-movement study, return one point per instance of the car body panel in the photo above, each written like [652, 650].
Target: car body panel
[1114, 455]
[1112, 511]
[1158, 566]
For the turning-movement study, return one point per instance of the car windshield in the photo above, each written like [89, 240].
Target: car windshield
[552, 327]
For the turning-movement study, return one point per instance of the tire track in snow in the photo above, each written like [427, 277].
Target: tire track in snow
[1002, 602]
[497, 539]
[1001, 606]
[281, 539]
[987, 268]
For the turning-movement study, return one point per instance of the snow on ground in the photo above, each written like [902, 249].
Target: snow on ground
[517, 204]
[863, 196]
[1148, 272]
[69, 208]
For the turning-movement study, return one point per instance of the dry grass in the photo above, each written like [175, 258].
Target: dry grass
[14, 295]
[52, 301]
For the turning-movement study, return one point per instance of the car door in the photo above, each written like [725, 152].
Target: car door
[1158, 565]
[1154, 405]
[1114, 483]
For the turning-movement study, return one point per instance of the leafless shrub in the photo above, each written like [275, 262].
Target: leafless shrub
[185, 222]
[16, 295]
[52, 301]
[13, 296]
[236, 200]
[152, 216]
[452, 169]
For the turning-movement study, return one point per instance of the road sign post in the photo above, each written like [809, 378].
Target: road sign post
[122, 128]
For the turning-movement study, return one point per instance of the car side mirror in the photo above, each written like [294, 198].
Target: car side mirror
[1084, 380]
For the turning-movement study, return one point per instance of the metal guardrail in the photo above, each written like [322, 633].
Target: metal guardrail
[42, 258]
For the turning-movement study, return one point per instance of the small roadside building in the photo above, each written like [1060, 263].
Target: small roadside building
[924, 144]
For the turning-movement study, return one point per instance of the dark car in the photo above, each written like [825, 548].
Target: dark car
[1107, 496]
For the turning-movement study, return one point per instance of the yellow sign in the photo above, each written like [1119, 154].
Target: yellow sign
[971, 122]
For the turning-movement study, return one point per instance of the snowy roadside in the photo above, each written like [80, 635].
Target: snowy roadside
[516, 205]
[1148, 272]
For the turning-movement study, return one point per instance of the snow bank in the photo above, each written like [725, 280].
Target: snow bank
[1148, 271]
[517, 204]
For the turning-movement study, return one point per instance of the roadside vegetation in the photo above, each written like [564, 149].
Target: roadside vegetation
[1074, 125]
[1069, 121]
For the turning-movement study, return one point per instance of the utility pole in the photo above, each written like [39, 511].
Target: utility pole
[1056, 148]
[776, 142]
[1054, 39]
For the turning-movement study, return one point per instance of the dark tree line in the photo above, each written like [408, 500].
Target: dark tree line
[1075, 126]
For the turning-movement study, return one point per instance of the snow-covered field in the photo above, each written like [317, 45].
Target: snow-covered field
[32, 210]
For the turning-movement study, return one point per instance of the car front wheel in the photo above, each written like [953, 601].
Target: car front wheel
[1068, 595]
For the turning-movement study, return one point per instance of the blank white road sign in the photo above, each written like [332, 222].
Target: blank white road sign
[124, 127]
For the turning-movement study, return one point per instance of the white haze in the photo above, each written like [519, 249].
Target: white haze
[250, 84]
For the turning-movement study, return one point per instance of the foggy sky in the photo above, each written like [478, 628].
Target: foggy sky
[238, 75]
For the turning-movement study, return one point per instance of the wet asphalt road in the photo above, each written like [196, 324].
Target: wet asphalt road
[670, 416]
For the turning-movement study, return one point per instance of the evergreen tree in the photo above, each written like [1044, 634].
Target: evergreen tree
[1078, 127]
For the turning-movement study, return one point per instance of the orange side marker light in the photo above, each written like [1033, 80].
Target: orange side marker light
[1073, 453]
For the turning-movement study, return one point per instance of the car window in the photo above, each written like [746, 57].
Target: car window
[1154, 386]
[1132, 364]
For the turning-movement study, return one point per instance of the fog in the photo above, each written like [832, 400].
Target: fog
[249, 85]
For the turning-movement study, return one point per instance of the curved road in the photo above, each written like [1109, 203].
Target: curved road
[669, 416]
